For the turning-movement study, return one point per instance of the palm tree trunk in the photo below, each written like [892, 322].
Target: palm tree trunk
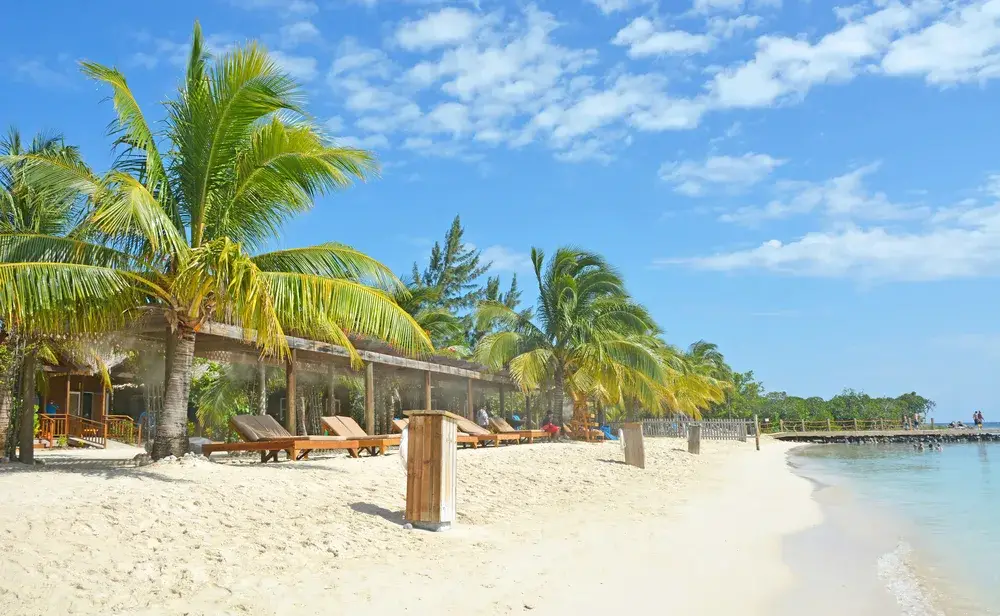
[171, 426]
[26, 440]
[6, 410]
[560, 397]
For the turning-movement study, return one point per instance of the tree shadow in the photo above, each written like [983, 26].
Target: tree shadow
[396, 517]
[104, 469]
[610, 461]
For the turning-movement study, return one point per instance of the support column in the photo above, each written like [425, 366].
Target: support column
[503, 413]
[331, 391]
[290, 394]
[101, 402]
[261, 388]
[370, 398]
[427, 390]
[527, 412]
[470, 412]
[66, 401]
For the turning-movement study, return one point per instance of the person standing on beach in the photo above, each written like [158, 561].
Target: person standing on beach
[483, 418]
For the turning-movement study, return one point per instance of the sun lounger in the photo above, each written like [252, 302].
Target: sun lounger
[500, 426]
[264, 434]
[483, 435]
[398, 425]
[343, 425]
[595, 435]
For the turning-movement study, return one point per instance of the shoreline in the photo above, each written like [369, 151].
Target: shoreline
[549, 528]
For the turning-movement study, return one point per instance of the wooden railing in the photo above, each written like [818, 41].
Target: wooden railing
[52, 427]
[832, 425]
[122, 428]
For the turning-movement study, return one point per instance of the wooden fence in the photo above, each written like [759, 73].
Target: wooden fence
[830, 425]
[711, 429]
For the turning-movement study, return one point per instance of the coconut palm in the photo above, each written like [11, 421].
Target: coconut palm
[588, 335]
[178, 226]
[30, 205]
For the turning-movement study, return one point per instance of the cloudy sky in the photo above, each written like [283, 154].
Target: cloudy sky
[807, 184]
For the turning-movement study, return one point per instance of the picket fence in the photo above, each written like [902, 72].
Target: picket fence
[711, 429]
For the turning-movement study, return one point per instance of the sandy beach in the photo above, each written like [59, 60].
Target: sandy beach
[548, 528]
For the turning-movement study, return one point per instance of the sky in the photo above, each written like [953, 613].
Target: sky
[807, 184]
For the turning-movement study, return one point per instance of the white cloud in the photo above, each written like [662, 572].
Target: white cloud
[335, 124]
[40, 73]
[447, 26]
[283, 7]
[298, 33]
[506, 259]
[844, 197]
[369, 142]
[693, 177]
[728, 27]
[962, 46]
[302, 68]
[783, 67]
[709, 6]
[643, 39]
[610, 6]
[957, 241]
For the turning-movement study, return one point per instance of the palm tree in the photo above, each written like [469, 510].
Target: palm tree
[178, 225]
[29, 205]
[589, 337]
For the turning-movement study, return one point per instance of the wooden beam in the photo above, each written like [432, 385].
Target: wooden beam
[470, 401]
[370, 398]
[290, 394]
[236, 333]
[427, 391]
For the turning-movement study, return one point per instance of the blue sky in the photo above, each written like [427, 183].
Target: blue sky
[809, 185]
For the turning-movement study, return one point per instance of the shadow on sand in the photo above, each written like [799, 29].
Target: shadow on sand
[396, 517]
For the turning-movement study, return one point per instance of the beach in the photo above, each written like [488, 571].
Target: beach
[550, 528]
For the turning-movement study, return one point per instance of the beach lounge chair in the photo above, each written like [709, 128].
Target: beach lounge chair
[579, 434]
[398, 425]
[343, 425]
[483, 435]
[264, 434]
[500, 426]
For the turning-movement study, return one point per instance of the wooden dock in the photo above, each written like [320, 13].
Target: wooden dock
[890, 436]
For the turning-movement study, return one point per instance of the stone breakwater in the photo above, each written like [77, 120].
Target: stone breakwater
[925, 437]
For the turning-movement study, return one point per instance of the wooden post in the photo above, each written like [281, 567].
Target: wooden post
[470, 401]
[427, 390]
[694, 438]
[431, 464]
[802, 422]
[370, 398]
[829, 426]
[502, 411]
[527, 412]
[290, 395]
[66, 402]
[635, 451]
[932, 423]
[101, 404]
[855, 424]
[756, 432]
[331, 391]
[781, 425]
[261, 388]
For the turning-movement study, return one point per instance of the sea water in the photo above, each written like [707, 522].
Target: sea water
[924, 523]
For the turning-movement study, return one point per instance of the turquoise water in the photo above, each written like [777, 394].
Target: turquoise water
[941, 509]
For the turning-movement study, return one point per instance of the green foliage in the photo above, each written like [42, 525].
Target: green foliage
[747, 398]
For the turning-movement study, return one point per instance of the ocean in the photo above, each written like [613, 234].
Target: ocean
[906, 531]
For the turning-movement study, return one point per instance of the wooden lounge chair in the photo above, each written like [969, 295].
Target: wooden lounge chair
[264, 434]
[398, 425]
[581, 435]
[483, 435]
[343, 425]
[500, 426]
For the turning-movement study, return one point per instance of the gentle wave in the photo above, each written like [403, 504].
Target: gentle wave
[896, 569]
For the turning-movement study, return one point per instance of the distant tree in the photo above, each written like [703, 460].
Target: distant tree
[453, 270]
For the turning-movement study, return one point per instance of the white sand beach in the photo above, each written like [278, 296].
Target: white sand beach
[547, 528]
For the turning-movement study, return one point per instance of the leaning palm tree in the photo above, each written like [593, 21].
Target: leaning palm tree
[178, 226]
[588, 335]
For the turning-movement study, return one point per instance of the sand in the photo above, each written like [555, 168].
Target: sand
[548, 528]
